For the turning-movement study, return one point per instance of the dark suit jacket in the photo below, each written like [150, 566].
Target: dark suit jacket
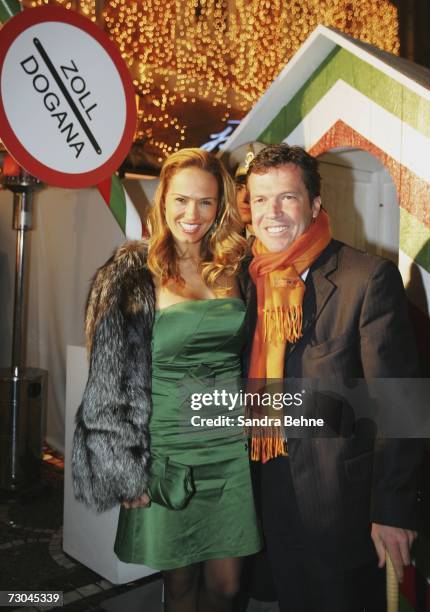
[355, 325]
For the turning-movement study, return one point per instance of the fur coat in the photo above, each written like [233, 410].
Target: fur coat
[111, 442]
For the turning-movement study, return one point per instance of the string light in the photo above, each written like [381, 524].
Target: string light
[224, 52]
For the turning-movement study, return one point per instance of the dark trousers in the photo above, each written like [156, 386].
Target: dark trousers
[303, 584]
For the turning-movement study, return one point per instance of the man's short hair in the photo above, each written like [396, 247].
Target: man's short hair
[274, 156]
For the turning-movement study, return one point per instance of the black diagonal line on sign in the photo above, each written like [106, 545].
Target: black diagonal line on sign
[66, 94]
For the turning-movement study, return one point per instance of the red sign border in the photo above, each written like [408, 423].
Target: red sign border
[13, 28]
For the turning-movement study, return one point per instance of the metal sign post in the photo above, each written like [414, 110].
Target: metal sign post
[23, 189]
[22, 390]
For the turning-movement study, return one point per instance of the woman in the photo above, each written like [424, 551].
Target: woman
[161, 321]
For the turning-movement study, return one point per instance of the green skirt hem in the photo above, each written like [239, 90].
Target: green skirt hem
[168, 565]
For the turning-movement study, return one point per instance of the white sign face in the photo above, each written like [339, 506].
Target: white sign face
[63, 97]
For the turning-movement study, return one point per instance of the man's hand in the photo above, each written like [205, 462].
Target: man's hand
[141, 502]
[396, 542]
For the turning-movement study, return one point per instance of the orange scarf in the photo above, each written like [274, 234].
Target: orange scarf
[280, 292]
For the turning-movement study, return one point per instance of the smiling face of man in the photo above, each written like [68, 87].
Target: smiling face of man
[280, 205]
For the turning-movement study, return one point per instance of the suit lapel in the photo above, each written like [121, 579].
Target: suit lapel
[319, 289]
[249, 294]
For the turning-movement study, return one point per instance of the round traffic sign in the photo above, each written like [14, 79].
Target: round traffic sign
[67, 107]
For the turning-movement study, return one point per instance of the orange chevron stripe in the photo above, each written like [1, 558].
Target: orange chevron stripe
[413, 192]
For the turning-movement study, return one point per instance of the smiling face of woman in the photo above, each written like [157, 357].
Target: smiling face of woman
[191, 204]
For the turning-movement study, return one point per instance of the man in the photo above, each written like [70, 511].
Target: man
[320, 309]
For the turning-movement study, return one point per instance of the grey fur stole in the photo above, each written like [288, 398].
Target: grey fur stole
[111, 442]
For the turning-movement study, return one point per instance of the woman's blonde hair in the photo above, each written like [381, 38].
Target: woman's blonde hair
[222, 247]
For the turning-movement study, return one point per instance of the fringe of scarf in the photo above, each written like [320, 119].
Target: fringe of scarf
[267, 447]
[283, 324]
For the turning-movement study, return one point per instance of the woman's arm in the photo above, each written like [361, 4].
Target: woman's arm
[111, 443]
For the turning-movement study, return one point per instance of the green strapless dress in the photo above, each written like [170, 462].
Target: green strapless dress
[195, 342]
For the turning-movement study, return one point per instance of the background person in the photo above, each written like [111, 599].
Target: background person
[155, 317]
[239, 161]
